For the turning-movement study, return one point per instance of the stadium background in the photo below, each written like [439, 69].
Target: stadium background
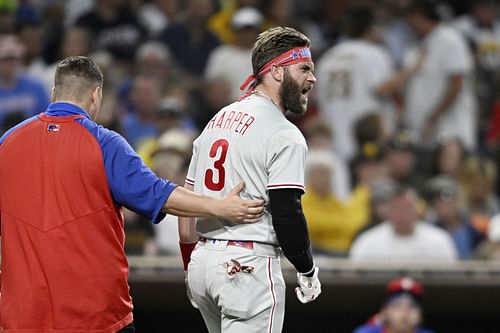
[170, 65]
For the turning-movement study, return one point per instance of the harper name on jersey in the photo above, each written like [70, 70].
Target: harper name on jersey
[228, 119]
[256, 144]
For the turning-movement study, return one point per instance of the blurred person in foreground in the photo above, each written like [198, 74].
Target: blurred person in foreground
[445, 212]
[61, 209]
[404, 237]
[332, 222]
[401, 310]
[439, 99]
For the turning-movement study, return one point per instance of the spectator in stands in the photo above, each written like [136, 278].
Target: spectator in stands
[400, 159]
[332, 222]
[368, 165]
[439, 100]
[370, 128]
[404, 237]
[481, 28]
[170, 114]
[381, 192]
[189, 39]
[401, 310]
[140, 124]
[490, 249]
[109, 116]
[231, 62]
[171, 158]
[75, 42]
[356, 77]
[214, 95]
[448, 158]
[7, 10]
[152, 59]
[29, 31]
[479, 177]
[445, 213]
[21, 96]
[284, 13]
[157, 15]
[220, 22]
[319, 136]
[114, 28]
[140, 233]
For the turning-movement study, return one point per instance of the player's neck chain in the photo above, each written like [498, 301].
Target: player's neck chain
[261, 94]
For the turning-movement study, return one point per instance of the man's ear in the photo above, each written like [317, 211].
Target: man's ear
[277, 72]
[96, 94]
[53, 94]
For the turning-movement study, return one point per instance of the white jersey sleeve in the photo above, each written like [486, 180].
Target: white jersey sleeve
[286, 154]
[455, 55]
[191, 174]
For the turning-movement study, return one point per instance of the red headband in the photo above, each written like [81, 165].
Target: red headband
[293, 56]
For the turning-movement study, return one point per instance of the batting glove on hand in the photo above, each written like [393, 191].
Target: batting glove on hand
[309, 287]
[188, 291]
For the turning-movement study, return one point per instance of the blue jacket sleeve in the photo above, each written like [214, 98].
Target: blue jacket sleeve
[131, 182]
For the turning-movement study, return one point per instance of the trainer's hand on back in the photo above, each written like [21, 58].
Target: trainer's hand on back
[239, 210]
[309, 287]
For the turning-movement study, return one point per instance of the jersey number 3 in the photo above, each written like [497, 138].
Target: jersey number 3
[210, 183]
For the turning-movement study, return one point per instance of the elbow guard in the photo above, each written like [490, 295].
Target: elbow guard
[290, 226]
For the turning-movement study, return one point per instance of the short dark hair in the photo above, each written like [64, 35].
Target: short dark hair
[274, 42]
[76, 73]
[427, 8]
[368, 128]
[359, 21]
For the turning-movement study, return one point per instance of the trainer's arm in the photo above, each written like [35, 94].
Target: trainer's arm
[187, 235]
[290, 226]
[183, 202]
[187, 225]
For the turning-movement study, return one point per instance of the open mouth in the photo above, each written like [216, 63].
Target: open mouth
[305, 90]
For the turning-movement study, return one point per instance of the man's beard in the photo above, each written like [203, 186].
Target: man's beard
[291, 95]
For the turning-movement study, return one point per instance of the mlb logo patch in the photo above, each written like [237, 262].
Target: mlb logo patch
[52, 127]
[305, 52]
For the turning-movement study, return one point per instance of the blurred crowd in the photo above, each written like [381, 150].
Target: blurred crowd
[403, 129]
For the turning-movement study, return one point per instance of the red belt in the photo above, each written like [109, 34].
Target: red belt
[244, 244]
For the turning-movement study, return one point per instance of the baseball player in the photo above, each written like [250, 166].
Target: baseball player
[234, 274]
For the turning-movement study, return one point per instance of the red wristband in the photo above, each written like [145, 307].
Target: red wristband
[186, 250]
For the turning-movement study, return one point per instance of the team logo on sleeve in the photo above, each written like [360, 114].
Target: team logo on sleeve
[52, 127]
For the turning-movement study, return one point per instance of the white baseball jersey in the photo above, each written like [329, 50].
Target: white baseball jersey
[348, 75]
[446, 54]
[249, 140]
